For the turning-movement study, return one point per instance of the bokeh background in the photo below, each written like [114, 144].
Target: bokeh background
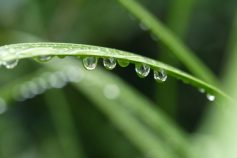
[42, 127]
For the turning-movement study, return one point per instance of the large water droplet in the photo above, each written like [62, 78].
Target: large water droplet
[109, 63]
[160, 76]
[3, 106]
[142, 70]
[123, 63]
[11, 63]
[43, 58]
[90, 63]
[211, 97]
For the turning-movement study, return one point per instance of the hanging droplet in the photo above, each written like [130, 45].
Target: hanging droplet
[211, 97]
[109, 63]
[201, 90]
[154, 37]
[11, 63]
[90, 63]
[142, 70]
[123, 63]
[160, 76]
[43, 58]
[143, 27]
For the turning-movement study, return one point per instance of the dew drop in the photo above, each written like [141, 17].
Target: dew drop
[123, 63]
[211, 97]
[43, 58]
[201, 90]
[90, 63]
[3, 106]
[109, 63]
[160, 76]
[11, 63]
[143, 27]
[142, 70]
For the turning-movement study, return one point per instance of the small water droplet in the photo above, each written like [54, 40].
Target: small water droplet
[90, 63]
[201, 90]
[211, 97]
[143, 27]
[11, 63]
[3, 106]
[160, 76]
[123, 63]
[142, 70]
[43, 58]
[111, 91]
[109, 63]
[154, 37]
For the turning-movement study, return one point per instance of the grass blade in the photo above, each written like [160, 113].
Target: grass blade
[177, 47]
[33, 50]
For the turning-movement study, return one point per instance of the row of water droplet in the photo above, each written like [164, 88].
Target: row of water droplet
[110, 63]
[142, 70]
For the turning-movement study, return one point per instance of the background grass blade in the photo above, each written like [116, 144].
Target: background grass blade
[178, 20]
[64, 123]
[218, 134]
[175, 45]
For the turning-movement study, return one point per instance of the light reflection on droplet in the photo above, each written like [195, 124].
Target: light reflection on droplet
[211, 97]
[10, 64]
[142, 70]
[160, 76]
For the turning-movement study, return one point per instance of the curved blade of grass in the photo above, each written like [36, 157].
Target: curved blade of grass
[33, 50]
[177, 47]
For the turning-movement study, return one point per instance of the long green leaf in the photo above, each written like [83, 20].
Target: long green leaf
[13, 52]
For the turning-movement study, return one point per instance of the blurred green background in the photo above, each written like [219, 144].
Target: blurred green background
[64, 122]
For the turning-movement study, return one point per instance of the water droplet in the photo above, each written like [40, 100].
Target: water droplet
[123, 63]
[111, 91]
[142, 70]
[11, 63]
[43, 58]
[211, 97]
[90, 63]
[201, 90]
[3, 106]
[109, 63]
[154, 37]
[160, 76]
[143, 27]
